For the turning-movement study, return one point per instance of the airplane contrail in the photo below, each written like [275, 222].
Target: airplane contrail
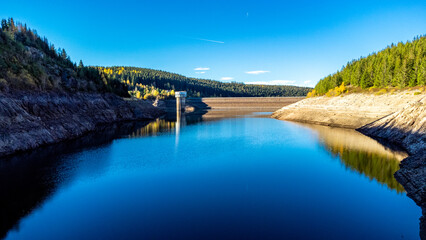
[201, 39]
[208, 40]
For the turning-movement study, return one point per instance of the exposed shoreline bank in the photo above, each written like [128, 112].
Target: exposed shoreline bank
[349, 111]
[265, 104]
[29, 120]
[399, 119]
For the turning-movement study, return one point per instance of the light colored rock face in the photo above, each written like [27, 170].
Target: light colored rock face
[406, 127]
[349, 111]
[29, 120]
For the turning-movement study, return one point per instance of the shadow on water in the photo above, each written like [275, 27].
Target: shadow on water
[30, 178]
[362, 154]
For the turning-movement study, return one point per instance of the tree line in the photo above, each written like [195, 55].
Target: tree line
[401, 65]
[134, 77]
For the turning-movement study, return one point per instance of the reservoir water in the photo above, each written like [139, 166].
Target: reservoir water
[208, 177]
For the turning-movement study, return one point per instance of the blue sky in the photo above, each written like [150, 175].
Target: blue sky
[283, 42]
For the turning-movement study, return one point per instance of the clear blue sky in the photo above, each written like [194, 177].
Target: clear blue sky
[294, 42]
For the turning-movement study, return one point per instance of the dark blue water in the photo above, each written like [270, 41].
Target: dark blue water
[232, 178]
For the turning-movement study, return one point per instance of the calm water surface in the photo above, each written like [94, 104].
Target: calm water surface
[211, 177]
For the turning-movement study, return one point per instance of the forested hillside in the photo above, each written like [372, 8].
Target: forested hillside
[401, 65]
[29, 62]
[144, 82]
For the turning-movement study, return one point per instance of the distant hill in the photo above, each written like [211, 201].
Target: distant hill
[149, 81]
[401, 65]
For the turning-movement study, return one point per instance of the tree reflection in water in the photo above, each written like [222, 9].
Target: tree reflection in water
[354, 150]
[362, 154]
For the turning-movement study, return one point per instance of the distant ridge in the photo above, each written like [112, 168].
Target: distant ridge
[143, 79]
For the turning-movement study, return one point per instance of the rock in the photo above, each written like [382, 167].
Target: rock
[348, 111]
[32, 119]
[412, 175]
[34, 53]
[406, 127]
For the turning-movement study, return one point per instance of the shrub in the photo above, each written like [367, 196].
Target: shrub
[313, 93]
[381, 92]
[337, 91]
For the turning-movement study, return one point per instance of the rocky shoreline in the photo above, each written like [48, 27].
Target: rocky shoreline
[32, 119]
[398, 119]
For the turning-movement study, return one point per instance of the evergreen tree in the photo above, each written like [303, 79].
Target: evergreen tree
[63, 54]
[4, 25]
[11, 24]
[401, 65]
[421, 74]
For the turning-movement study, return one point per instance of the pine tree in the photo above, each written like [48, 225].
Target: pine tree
[411, 73]
[63, 54]
[4, 25]
[12, 26]
[403, 81]
[421, 74]
[398, 65]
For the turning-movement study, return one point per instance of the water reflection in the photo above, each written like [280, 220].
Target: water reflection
[361, 154]
[180, 122]
[28, 179]
[154, 128]
[354, 150]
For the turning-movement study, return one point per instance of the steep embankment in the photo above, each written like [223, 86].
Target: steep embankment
[30, 119]
[46, 98]
[349, 111]
[396, 118]
[406, 127]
